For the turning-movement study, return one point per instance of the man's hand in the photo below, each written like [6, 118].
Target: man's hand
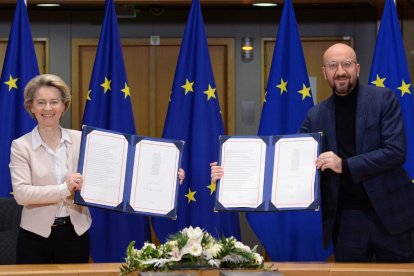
[329, 160]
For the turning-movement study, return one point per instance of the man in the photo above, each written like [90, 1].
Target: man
[367, 196]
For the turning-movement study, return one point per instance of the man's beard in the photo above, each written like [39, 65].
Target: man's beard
[349, 89]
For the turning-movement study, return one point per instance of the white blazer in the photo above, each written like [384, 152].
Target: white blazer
[34, 185]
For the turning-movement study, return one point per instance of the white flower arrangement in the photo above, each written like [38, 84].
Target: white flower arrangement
[193, 247]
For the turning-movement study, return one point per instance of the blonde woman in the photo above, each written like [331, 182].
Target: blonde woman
[43, 170]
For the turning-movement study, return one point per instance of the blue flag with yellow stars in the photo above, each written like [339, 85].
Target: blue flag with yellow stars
[20, 66]
[108, 106]
[194, 116]
[288, 236]
[390, 69]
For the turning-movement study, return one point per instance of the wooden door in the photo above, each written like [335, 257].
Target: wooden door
[150, 72]
[41, 48]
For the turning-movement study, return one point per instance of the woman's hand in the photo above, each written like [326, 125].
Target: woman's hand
[74, 182]
[217, 172]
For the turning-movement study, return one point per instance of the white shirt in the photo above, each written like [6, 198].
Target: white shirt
[59, 161]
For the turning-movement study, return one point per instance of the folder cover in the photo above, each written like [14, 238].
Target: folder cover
[269, 173]
[129, 173]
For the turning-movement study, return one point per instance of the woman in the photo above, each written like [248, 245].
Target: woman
[43, 170]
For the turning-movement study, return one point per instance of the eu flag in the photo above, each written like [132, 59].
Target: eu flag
[194, 116]
[108, 106]
[389, 69]
[20, 66]
[288, 236]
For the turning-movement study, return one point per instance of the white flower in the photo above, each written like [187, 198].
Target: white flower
[240, 245]
[175, 254]
[190, 242]
[172, 243]
[196, 249]
[193, 234]
[212, 252]
[185, 250]
[257, 258]
[215, 263]
[216, 253]
[147, 244]
[208, 254]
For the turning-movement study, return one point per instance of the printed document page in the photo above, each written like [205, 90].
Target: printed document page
[294, 172]
[104, 168]
[154, 177]
[243, 161]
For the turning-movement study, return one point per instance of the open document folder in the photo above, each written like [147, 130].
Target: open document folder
[269, 173]
[129, 173]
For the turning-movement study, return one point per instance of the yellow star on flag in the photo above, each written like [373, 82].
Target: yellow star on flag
[210, 92]
[305, 92]
[11, 82]
[190, 196]
[126, 91]
[188, 86]
[405, 88]
[264, 100]
[106, 85]
[379, 82]
[282, 86]
[88, 95]
[212, 187]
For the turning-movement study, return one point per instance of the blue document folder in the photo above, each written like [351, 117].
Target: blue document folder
[129, 173]
[269, 173]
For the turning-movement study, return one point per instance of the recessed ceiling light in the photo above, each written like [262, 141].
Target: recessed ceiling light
[265, 4]
[48, 5]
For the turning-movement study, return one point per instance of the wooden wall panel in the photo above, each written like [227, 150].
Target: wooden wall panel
[150, 73]
[41, 49]
[165, 62]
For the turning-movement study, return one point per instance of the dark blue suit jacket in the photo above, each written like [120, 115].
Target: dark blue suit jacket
[380, 148]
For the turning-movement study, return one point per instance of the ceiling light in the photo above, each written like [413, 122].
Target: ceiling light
[48, 5]
[265, 4]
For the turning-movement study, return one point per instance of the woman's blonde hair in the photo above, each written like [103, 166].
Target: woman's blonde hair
[45, 80]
